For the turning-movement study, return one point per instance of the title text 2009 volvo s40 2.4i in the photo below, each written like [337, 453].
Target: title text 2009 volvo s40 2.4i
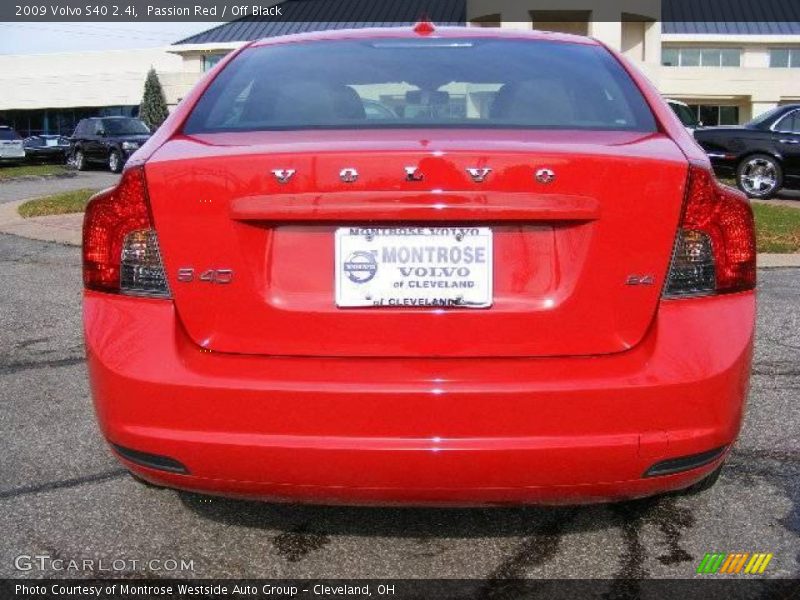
[517, 281]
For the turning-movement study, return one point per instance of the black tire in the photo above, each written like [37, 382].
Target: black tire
[704, 484]
[759, 176]
[115, 161]
[79, 160]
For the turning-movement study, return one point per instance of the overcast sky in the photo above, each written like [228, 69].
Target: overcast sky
[40, 38]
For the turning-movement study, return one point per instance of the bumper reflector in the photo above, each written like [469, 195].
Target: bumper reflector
[684, 463]
[151, 461]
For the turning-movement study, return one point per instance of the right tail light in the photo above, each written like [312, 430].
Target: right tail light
[715, 249]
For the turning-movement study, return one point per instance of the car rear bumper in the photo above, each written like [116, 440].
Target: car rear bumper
[47, 152]
[420, 431]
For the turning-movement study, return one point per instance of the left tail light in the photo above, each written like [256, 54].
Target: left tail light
[120, 244]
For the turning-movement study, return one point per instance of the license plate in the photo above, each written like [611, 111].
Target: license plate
[51, 142]
[427, 267]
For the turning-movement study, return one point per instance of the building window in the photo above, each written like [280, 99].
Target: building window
[784, 57]
[493, 20]
[211, 60]
[575, 22]
[60, 121]
[701, 57]
[711, 115]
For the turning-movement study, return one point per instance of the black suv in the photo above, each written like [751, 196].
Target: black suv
[106, 140]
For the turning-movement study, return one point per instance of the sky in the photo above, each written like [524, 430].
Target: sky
[42, 38]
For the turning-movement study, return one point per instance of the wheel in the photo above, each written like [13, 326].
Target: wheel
[759, 176]
[115, 161]
[704, 484]
[79, 160]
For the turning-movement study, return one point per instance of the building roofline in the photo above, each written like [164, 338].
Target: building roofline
[729, 38]
[205, 47]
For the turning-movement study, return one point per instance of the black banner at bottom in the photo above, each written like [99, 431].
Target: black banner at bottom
[709, 588]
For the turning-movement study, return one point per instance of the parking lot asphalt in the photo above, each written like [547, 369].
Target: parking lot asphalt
[63, 495]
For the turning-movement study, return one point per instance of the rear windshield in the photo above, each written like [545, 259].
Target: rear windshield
[9, 134]
[394, 83]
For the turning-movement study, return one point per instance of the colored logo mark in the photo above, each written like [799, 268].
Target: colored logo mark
[743, 562]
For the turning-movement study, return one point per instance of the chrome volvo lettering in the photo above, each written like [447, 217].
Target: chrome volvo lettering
[413, 174]
[348, 175]
[545, 175]
[283, 175]
[478, 174]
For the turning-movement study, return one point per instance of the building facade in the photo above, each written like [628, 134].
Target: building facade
[729, 67]
[50, 93]
[728, 71]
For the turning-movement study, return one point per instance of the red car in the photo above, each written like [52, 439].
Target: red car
[516, 282]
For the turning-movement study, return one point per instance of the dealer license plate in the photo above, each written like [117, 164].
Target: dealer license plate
[428, 267]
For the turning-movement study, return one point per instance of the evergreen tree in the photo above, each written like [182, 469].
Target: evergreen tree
[153, 109]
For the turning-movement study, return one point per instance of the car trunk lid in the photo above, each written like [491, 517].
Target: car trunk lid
[578, 262]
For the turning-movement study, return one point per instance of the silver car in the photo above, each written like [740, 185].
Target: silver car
[11, 147]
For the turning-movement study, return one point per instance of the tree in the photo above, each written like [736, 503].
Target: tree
[153, 109]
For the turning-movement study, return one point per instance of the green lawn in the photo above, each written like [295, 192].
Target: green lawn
[7, 173]
[57, 204]
[777, 228]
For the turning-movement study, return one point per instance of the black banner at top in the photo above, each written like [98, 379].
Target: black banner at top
[782, 15]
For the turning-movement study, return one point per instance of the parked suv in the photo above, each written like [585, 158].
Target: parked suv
[107, 140]
[11, 148]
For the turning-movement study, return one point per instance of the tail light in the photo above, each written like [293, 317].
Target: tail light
[715, 249]
[120, 245]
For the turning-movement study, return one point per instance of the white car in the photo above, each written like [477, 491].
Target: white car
[685, 114]
[11, 148]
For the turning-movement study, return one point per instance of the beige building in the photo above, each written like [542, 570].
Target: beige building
[728, 71]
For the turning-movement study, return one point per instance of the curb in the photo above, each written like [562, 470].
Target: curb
[67, 229]
[62, 229]
[777, 261]
[66, 175]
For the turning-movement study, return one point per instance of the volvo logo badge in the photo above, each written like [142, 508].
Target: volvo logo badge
[545, 175]
[348, 175]
[413, 174]
[478, 174]
[283, 175]
[361, 266]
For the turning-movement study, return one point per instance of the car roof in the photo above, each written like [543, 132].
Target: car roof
[438, 33]
[106, 118]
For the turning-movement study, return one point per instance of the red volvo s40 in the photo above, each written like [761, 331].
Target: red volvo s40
[421, 266]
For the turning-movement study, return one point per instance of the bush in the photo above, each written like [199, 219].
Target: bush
[153, 109]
